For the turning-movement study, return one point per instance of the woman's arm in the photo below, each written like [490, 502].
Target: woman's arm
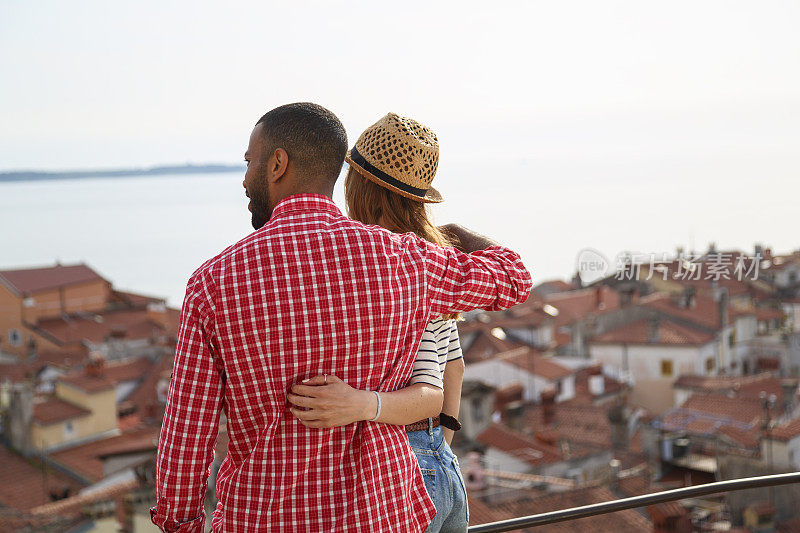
[453, 375]
[337, 403]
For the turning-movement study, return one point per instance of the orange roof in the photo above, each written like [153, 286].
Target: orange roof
[85, 459]
[57, 410]
[743, 386]
[553, 285]
[30, 280]
[669, 332]
[28, 489]
[738, 419]
[127, 369]
[582, 394]
[531, 502]
[532, 361]
[576, 422]
[86, 383]
[485, 346]
[786, 432]
[133, 299]
[575, 305]
[524, 448]
[96, 327]
[704, 312]
[766, 313]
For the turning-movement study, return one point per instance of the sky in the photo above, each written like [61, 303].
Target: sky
[557, 120]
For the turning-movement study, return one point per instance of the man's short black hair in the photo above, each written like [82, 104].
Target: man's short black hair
[313, 137]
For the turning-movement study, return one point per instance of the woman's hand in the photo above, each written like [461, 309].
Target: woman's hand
[330, 405]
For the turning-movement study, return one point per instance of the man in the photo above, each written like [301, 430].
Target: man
[309, 292]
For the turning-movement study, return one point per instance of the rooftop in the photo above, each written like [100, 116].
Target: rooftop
[524, 448]
[534, 362]
[29, 280]
[57, 410]
[534, 502]
[29, 487]
[97, 327]
[667, 332]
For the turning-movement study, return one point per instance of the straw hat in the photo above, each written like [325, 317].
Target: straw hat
[400, 154]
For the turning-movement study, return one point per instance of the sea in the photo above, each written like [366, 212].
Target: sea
[148, 234]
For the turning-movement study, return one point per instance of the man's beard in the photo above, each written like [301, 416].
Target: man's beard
[260, 208]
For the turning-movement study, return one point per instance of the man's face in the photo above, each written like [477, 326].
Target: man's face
[255, 182]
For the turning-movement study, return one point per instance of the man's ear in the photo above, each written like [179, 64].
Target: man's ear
[279, 163]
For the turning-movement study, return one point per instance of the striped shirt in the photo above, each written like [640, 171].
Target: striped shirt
[438, 346]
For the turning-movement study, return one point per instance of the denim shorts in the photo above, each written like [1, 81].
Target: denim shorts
[443, 479]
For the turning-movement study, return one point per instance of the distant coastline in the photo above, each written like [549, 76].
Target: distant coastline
[32, 175]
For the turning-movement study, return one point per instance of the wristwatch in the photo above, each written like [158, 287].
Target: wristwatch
[450, 422]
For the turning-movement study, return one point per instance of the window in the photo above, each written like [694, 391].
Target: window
[710, 364]
[666, 368]
[69, 431]
[14, 337]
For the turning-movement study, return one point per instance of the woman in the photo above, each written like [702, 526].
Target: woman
[388, 184]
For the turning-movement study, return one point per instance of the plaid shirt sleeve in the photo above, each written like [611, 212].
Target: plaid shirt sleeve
[191, 417]
[491, 279]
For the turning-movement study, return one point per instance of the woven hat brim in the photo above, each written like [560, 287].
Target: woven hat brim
[432, 196]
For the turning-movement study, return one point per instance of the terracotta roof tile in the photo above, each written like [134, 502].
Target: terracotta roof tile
[98, 326]
[85, 459]
[86, 383]
[533, 361]
[704, 312]
[669, 333]
[738, 419]
[578, 423]
[29, 489]
[29, 280]
[530, 502]
[739, 386]
[127, 370]
[484, 346]
[57, 410]
[787, 431]
[575, 305]
[524, 448]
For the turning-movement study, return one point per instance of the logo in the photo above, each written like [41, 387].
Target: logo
[591, 265]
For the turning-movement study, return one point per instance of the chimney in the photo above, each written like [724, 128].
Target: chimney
[627, 296]
[546, 436]
[789, 390]
[722, 304]
[653, 324]
[687, 299]
[473, 473]
[598, 297]
[597, 382]
[548, 397]
[513, 415]
[95, 365]
[18, 416]
[670, 517]
[618, 417]
[614, 464]
[758, 250]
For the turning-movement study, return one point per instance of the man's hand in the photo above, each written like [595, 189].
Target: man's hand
[466, 240]
[330, 405]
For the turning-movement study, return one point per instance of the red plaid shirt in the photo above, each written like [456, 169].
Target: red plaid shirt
[310, 292]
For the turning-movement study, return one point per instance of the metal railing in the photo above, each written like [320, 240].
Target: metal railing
[637, 501]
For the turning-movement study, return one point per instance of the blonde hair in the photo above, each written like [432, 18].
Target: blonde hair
[370, 203]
